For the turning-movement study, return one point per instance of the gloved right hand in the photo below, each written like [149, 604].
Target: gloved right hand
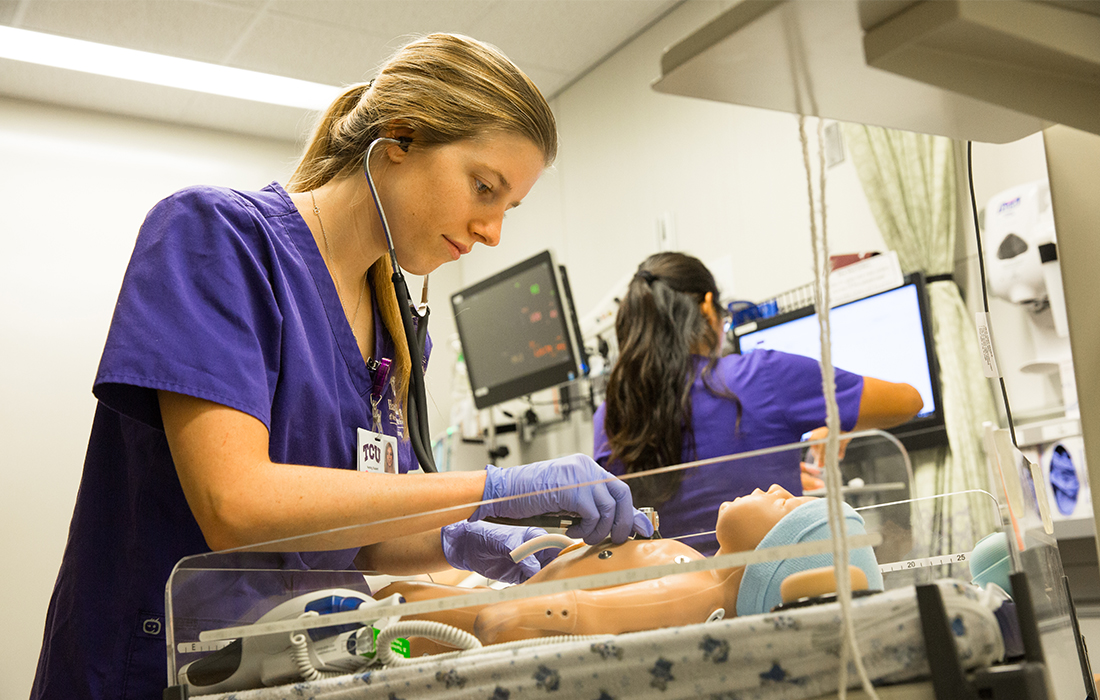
[605, 507]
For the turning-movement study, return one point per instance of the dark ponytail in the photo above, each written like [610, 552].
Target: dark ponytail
[659, 328]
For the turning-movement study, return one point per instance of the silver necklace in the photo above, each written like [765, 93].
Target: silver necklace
[330, 262]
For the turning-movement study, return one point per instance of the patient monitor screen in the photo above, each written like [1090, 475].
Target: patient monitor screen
[881, 336]
[515, 332]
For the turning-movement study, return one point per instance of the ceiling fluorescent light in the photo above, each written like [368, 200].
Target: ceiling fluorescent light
[141, 66]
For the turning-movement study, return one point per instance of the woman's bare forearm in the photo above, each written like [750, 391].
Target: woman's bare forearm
[240, 497]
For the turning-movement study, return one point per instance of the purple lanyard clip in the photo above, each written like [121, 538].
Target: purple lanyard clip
[381, 370]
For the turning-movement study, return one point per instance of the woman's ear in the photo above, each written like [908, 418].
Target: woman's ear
[404, 136]
[707, 307]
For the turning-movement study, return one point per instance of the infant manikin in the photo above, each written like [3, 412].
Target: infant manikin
[761, 519]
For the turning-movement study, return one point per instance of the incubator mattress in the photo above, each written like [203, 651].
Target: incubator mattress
[779, 656]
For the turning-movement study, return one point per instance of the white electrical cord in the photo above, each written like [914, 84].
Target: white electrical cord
[849, 647]
[436, 631]
[452, 636]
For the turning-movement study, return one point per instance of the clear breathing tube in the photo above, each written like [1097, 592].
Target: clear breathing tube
[416, 333]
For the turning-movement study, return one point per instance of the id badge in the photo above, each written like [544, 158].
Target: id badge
[376, 452]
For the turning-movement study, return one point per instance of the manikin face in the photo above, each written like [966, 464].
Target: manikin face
[744, 521]
[441, 200]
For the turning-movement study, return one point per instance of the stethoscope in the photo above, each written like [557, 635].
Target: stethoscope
[415, 333]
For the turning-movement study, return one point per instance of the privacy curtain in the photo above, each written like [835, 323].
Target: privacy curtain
[910, 183]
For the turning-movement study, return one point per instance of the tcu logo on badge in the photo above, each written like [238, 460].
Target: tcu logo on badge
[372, 452]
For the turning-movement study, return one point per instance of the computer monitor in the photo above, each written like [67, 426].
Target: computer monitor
[519, 331]
[886, 335]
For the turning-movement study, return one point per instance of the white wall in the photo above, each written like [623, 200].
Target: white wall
[76, 187]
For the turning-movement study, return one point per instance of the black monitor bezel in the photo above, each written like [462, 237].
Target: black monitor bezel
[918, 433]
[546, 378]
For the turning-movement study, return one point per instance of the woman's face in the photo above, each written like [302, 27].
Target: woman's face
[744, 521]
[441, 200]
[389, 458]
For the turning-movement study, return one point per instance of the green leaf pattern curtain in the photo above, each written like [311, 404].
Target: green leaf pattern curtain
[910, 183]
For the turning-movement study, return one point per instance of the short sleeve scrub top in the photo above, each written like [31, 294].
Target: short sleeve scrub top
[781, 399]
[225, 298]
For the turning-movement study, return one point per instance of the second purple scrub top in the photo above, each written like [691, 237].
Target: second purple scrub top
[781, 399]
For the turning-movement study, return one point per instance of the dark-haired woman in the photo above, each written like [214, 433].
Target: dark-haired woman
[672, 398]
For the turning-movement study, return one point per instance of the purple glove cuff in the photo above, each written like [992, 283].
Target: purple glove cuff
[494, 488]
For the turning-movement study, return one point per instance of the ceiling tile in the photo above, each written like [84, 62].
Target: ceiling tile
[389, 17]
[568, 35]
[301, 49]
[8, 9]
[202, 31]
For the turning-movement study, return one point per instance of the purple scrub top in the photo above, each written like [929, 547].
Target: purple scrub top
[226, 298]
[781, 399]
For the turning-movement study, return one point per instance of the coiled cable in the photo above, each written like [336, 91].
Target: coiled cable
[300, 653]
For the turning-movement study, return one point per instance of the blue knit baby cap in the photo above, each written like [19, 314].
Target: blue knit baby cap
[759, 591]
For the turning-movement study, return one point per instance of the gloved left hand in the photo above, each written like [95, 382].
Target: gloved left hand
[485, 548]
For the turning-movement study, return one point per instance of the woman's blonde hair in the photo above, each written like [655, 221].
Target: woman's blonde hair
[445, 88]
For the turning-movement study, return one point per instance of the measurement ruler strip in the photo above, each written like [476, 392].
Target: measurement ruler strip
[529, 590]
[911, 564]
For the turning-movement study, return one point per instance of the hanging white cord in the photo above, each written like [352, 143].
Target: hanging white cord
[833, 481]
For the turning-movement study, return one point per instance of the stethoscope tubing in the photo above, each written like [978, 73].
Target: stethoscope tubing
[416, 334]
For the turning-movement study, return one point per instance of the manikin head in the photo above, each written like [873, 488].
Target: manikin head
[775, 518]
[746, 520]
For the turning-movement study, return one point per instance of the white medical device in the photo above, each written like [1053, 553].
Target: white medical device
[276, 659]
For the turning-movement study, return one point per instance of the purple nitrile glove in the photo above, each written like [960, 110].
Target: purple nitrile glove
[605, 507]
[485, 548]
